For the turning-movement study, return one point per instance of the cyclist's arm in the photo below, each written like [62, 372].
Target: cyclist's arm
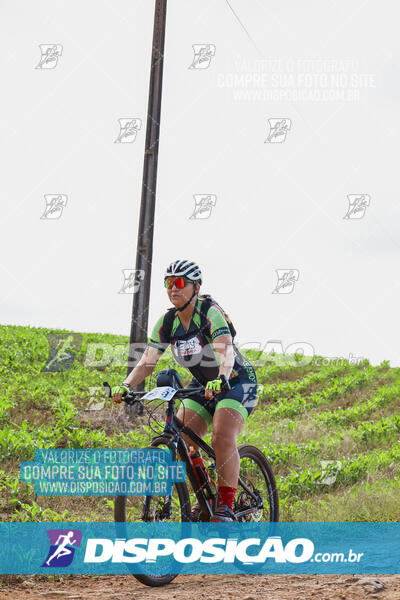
[222, 340]
[224, 348]
[155, 347]
[144, 367]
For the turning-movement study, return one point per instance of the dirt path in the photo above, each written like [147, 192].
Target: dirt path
[210, 587]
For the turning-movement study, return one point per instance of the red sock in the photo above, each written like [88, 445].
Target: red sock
[226, 495]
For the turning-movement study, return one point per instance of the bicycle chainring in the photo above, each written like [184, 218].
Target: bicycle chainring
[244, 501]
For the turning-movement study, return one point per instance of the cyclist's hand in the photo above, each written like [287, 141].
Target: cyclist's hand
[212, 387]
[118, 391]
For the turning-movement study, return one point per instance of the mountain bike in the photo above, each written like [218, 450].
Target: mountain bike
[256, 497]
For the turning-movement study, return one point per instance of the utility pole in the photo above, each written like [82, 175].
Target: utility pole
[144, 251]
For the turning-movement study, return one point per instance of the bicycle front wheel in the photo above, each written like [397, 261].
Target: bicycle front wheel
[256, 497]
[172, 508]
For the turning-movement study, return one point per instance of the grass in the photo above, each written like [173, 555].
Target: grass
[344, 413]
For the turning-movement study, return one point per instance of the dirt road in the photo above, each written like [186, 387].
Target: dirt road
[209, 587]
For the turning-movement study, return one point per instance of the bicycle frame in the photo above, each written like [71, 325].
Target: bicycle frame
[172, 430]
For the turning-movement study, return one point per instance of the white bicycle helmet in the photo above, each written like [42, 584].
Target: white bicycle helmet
[184, 268]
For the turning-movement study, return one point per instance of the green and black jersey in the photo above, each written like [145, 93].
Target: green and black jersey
[194, 348]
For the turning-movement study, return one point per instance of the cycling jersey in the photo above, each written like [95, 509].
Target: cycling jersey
[193, 348]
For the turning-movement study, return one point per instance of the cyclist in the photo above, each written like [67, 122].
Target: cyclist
[210, 356]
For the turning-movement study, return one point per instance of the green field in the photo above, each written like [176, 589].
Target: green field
[347, 415]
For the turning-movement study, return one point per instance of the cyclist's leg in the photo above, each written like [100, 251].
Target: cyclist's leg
[230, 415]
[227, 424]
[193, 420]
[196, 413]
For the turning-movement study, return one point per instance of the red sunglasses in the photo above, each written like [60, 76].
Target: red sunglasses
[179, 282]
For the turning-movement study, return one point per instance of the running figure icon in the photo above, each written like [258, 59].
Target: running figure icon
[62, 549]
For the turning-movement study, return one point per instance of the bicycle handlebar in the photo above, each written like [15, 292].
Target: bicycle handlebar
[131, 397]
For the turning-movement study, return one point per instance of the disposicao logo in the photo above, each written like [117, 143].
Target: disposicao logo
[62, 547]
[189, 550]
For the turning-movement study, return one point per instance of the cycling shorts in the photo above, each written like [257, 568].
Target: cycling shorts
[242, 397]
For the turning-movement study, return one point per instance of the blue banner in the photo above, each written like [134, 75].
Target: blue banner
[189, 548]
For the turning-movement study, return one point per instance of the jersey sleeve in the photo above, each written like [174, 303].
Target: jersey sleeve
[157, 339]
[218, 324]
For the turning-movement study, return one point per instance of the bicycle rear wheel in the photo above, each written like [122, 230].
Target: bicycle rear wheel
[172, 508]
[260, 498]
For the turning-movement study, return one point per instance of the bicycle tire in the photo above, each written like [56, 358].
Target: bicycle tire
[254, 454]
[120, 515]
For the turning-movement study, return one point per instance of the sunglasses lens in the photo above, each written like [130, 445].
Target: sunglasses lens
[179, 282]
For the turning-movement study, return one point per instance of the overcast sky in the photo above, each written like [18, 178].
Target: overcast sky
[286, 120]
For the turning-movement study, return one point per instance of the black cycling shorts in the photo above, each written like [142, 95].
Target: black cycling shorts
[242, 397]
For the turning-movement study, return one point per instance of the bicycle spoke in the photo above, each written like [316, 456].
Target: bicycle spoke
[256, 497]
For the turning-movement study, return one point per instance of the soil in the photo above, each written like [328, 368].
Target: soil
[209, 587]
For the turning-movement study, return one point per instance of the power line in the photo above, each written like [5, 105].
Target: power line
[244, 28]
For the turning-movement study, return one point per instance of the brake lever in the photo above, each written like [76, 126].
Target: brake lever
[129, 400]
